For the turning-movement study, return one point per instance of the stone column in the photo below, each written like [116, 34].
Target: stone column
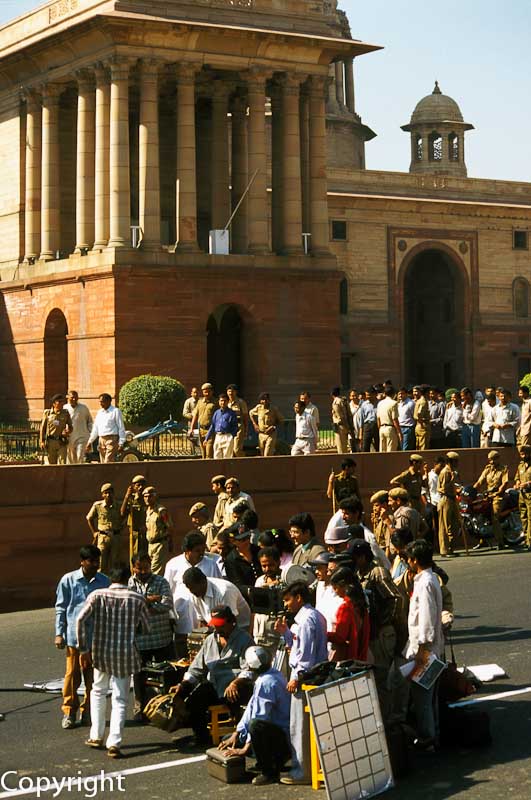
[340, 93]
[120, 191]
[277, 168]
[33, 176]
[291, 165]
[102, 188]
[50, 203]
[148, 155]
[186, 155]
[86, 105]
[349, 84]
[318, 185]
[305, 157]
[239, 176]
[257, 205]
[220, 202]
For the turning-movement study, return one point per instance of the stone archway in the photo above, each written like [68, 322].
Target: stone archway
[224, 348]
[55, 355]
[434, 320]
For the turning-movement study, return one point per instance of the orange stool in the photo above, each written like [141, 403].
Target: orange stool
[221, 722]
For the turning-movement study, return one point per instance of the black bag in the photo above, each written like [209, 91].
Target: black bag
[464, 727]
[454, 685]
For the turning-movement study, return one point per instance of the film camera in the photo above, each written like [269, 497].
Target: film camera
[268, 599]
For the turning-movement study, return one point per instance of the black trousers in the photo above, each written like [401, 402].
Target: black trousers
[271, 746]
[139, 684]
[370, 436]
[203, 696]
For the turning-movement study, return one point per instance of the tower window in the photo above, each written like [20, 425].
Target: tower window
[519, 240]
[339, 230]
[343, 296]
[453, 147]
[436, 147]
[419, 149]
[521, 297]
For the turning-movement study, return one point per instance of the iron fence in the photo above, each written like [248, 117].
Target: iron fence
[19, 441]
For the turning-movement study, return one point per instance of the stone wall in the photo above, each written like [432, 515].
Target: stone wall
[43, 509]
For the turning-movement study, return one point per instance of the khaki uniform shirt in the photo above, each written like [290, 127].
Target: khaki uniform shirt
[157, 524]
[407, 517]
[240, 408]
[346, 487]
[267, 417]
[446, 482]
[106, 518]
[208, 530]
[387, 411]
[205, 411]
[54, 423]
[411, 483]
[525, 419]
[136, 511]
[219, 511]
[339, 412]
[493, 477]
[421, 414]
[523, 475]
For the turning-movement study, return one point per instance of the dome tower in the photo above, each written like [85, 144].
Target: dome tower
[438, 136]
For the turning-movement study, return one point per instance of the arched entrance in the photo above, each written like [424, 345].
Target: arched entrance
[434, 320]
[55, 355]
[224, 348]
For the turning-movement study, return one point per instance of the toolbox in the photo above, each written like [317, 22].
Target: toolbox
[229, 769]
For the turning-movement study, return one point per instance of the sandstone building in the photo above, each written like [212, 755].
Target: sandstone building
[129, 131]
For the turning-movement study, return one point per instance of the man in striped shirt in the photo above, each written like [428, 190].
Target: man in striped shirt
[117, 615]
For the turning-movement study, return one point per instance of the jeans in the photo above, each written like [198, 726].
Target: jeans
[98, 706]
[299, 729]
[408, 437]
[426, 710]
[470, 435]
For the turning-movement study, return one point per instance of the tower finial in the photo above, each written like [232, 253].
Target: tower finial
[436, 89]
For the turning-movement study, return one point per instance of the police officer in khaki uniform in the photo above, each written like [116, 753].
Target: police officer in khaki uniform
[421, 415]
[522, 481]
[404, 514]
[204, 411]
[56, 427]
[412, 481]
[449, 517]
[340, 420]
[381, 519]
[239, 406]
[495, 479]
[134, 509]
[158, 531]
[266, 419]
[343, 484]
[201, 521]
[105, 521]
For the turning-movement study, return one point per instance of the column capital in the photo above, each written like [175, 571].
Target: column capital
[186, 72]
[150, 68]
[101, 72]
[291, 83]
[32, 97]
[119, 67]
[256, 77]
[318, 86]
[85, 79]
[50, 93]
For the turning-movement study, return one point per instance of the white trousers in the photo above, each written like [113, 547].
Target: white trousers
[223, 445]
[75, 453]
[303, 447]
[98, 706]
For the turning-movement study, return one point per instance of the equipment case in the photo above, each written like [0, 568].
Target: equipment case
[229, 769]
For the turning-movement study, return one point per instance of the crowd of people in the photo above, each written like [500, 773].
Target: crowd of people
[367, 590]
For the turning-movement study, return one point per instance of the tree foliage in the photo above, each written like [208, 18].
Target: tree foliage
[149, 399]
[526, 381]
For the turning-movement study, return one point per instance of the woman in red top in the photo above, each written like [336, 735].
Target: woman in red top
[350, 633]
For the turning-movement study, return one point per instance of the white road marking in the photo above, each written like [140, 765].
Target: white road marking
[486, 697]
[132, 771]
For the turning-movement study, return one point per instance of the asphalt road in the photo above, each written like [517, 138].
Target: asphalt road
[492, 600]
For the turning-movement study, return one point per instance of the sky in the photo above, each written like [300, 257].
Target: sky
[479, 52]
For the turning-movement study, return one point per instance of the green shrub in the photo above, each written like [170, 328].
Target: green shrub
[149, 399]
[526, 381]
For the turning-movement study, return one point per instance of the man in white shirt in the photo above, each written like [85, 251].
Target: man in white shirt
[190, 404]
[305, 431]
[109, 429]
[207, 593]
[81, 428]
[506, 419]
[425, 637]
[487, 426]
[193, 555]
[306, 398]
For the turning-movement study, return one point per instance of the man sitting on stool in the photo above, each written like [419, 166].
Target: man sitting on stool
[218, 674]
[265, 722]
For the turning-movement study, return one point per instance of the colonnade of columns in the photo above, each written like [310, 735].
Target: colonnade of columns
[341, 91]
[103, 170]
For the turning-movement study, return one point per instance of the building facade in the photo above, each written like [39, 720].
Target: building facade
[130, 132]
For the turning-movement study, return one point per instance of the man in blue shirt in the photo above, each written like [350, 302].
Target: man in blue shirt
[406, 419]
[265, 722]
[224, 427]
[367, 422]
[307, 641]
[72, 591]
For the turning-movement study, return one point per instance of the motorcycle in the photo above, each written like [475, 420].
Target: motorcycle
[476, 513]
